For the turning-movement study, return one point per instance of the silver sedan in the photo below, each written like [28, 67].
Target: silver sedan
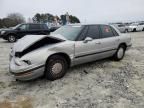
[34, 56]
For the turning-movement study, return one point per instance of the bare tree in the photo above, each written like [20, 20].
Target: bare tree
[16, 17]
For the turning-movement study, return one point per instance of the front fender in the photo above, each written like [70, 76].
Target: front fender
[41, 55]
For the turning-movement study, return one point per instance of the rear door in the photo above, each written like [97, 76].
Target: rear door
[34, 29]
[109, 41]
[87, 51]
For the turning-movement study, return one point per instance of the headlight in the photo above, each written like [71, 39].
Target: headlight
[2, 32]
[22, 62]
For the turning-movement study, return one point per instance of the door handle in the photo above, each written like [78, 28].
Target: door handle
[97, 42]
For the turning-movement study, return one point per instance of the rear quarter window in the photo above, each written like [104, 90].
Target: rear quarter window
[44, 26]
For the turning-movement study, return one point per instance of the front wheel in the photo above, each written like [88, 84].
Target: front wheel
[56, 67]
[120, 53]
[11, 38]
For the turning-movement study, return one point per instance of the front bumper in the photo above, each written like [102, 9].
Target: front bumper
[25, 73]
[3, 37]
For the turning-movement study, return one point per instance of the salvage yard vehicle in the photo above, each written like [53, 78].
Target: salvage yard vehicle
[14, 33]
[70, 45]
[121, 27]
[134, 27]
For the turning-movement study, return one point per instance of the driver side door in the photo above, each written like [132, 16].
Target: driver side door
[86, 51]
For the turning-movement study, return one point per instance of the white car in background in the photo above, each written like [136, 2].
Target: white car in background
[121, 27]
[136, 27]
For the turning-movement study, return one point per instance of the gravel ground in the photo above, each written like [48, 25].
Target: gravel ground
[101, 84]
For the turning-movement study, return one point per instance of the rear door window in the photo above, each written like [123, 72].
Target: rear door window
[93, 32]
[34, 26]
[106, 31]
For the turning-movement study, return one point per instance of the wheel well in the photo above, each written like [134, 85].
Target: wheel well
[124, 44]
[63, 55]
[10, 34]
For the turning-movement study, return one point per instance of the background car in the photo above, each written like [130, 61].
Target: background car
[135, 27]
[142, 24]
[51, 56]
[14, 33]
[121, 27]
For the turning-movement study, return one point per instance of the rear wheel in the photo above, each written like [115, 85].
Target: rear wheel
[143, 29]
[120, 53]
[11, 38]
[56, 67]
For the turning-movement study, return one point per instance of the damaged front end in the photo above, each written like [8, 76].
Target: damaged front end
[28, 56]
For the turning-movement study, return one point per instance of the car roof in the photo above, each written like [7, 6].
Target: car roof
[85, 24]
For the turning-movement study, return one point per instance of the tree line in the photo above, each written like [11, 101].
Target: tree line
[12, 20]
[16, 18]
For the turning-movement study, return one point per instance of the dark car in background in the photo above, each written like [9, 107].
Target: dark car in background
[19, 31]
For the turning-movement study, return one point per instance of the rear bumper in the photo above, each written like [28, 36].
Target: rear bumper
[26, 73]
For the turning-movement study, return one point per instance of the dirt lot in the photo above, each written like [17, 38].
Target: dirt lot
[101, 84]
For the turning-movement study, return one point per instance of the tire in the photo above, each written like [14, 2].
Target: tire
[120, 53]
[56, 67]
[134, 30]
[11, 38]
[143, 29]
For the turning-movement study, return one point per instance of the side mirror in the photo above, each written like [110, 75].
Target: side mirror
[87, 39]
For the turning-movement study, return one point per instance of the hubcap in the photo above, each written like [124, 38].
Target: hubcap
[120, 53]
[57, 68]
[11, 38]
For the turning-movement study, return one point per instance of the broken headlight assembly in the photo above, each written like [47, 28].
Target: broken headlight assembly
[19, 62]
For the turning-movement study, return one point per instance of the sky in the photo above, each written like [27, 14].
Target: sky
[87, 11]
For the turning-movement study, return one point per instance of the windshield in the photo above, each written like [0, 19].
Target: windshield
[69, 32]
[15, 27]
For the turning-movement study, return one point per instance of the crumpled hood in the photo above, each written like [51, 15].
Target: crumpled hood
[29, 40]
